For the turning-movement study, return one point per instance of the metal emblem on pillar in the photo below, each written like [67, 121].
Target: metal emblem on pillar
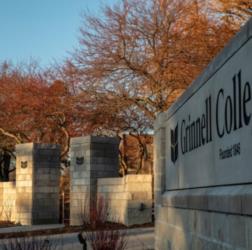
[24, 164]
[79, 160]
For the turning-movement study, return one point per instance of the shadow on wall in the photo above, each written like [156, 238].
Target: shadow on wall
[24, 209]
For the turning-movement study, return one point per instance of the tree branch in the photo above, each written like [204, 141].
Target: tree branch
[8, 134]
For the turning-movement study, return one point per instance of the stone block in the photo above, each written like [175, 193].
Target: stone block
[138, 178]
[220, 231]
[27, 183]
[80, 188]
[101, 174]
[159, 176]
[22, 149]
[225, 199]
[202, 224]
[80, 195]
[140, 204]
[248, 222]
[246, 200]
[134, 187]
[161, 215]
[237, 231]
[115, 196]
[140, 196]
[157, 196]
[135, 216]
[81, 182]
[176, 199]
[249, 28]
[197, 199]
[110, 181]
[113, 189]
[98, 161]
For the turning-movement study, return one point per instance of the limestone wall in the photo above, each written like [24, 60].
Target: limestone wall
[128, 199]
[7, 201]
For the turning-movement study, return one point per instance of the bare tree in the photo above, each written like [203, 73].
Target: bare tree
[145, 53]
[136, 59]
[236, 11]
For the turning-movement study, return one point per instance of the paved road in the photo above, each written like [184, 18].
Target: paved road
[30, 228]
[137, 239]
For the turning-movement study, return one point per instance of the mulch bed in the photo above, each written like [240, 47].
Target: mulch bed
[6, 224]
[70, 229]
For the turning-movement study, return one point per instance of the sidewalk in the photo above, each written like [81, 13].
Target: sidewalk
[137, 239]
[15, 229]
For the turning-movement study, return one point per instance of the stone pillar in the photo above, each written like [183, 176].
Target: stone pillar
[37, 183]
[91, 158]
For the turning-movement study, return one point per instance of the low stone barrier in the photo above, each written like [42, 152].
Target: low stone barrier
[8, 201]
[128, 199]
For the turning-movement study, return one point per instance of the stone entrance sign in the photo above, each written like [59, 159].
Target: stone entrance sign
[203, 155]
[209, 131]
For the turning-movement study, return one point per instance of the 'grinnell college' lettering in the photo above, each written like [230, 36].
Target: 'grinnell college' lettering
[196, 133]
[231, 113]
[233, 107]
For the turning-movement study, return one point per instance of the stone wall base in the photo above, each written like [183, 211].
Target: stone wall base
[210, 218]
[194, 229]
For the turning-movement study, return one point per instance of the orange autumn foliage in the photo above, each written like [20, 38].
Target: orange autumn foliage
[33, 109]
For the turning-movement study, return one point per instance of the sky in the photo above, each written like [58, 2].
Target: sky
[44, 30]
